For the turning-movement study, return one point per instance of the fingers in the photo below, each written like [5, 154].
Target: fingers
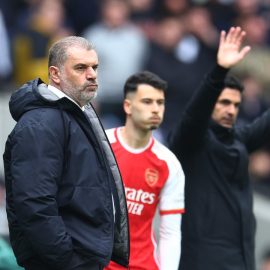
[240, 38]
[222, 38]
[235, 36]
[244, 51]
[229, 37]
[230, 51]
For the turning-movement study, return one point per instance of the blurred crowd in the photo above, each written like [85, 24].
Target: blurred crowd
[176, 39]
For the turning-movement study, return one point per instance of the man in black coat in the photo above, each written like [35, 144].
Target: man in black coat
[219, 226]
[66, 204]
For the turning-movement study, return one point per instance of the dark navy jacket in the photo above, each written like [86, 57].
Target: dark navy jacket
[60, 178]
[218, 227]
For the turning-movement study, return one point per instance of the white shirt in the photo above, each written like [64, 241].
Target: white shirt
[61, 94]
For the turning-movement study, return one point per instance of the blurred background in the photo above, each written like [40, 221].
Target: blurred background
[177, 39]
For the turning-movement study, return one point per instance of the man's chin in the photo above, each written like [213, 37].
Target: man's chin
[93, 96]
[227, 125]
[153, 127]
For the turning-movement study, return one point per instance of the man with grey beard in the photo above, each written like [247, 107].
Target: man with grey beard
[65, 199]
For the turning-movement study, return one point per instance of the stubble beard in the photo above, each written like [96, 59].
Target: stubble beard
[154, 127]
[87, 97]
[78, 94]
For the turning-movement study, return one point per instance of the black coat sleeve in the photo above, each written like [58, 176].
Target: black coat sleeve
[256, 134]
[191, 129]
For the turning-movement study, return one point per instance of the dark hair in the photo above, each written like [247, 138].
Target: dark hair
[144, 77]
[234, 83]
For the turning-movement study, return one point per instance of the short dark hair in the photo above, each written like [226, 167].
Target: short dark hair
[234, 83]
[144, 77]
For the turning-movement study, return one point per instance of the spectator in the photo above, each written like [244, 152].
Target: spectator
[257, 62]
[45, 26]
[143, 14]
[5, 63]
[172, 8]
[255, 103]
[82, 13]
[174, 52]
[255, 100]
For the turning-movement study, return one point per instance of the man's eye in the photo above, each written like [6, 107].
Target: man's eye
[225, 102]
[146, 101]
[80, 68]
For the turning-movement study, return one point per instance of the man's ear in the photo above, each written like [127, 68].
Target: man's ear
[54, 74]
[127, 106]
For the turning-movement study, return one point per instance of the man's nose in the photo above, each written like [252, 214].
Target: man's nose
[91, 73]
[155, 107]
[232, 109]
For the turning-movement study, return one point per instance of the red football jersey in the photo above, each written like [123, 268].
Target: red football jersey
[152, 178]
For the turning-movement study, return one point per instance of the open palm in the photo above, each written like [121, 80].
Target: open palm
[230, 51]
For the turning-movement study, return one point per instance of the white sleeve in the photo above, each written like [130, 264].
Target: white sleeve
[172, 195]
[169, 248]
[171, 206]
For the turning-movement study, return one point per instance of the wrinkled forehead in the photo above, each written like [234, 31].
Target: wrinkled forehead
[81, 55]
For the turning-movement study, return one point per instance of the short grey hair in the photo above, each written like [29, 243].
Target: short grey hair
[58, 51]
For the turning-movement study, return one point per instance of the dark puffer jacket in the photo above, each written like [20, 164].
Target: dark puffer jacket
[60, 177]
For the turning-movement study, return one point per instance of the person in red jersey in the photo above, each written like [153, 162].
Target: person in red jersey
[152, 176]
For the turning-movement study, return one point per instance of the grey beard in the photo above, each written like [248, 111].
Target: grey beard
[93, 97]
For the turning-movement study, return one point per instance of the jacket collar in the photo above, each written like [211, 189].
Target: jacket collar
[224, 134]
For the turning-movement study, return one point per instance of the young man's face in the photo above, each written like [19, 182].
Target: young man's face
[78, 76]
[145, 107]
[227, 107]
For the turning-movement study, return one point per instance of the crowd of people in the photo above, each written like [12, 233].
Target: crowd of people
[179, 43]
[168, 37]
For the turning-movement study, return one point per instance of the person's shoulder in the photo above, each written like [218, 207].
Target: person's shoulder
[42, 114]
[39, 123]
[162, 148]
[46, 118]
[111, 135]
[164, 153]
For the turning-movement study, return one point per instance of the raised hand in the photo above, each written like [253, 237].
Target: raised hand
[230, 52]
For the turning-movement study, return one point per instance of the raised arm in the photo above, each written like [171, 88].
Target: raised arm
[190, 132]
